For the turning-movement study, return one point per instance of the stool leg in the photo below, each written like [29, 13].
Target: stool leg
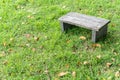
[64, 26]
[96, 35]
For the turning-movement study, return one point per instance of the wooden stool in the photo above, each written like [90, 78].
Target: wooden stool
[97, 25]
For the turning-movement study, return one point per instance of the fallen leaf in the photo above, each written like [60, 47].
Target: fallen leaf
[36, 38]
[114, 52]
[62, 74]
[33, 49]
[98, 57]
[68, 41]
[99, 72]
[113, 59]
[41, 47]
[113, 25]
[73, 74]
[67, 66]
[85, 62]
[96, 45]
[79, 63]
[46, 71]
[108, 64]
[82, 37]
[30, 17]
[28, 45]
[27, 35]
[5, 62]
[11, 39]
[117, 74]
[10, 50]
[2, 55]
[4, 44]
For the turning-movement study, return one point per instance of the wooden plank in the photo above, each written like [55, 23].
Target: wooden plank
[89, 22]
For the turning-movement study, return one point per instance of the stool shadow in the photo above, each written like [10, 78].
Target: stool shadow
[79, 31]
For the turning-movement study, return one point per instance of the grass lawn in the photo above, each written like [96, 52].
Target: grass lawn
[32, 46]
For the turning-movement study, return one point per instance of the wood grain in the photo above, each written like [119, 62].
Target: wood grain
[85, 21]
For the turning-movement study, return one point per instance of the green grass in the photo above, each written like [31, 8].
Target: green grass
[32, 46]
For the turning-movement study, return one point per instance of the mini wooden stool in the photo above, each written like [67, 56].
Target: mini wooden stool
[97, 25]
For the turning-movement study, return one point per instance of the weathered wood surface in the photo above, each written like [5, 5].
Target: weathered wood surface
[85, 21]
[96, 35]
